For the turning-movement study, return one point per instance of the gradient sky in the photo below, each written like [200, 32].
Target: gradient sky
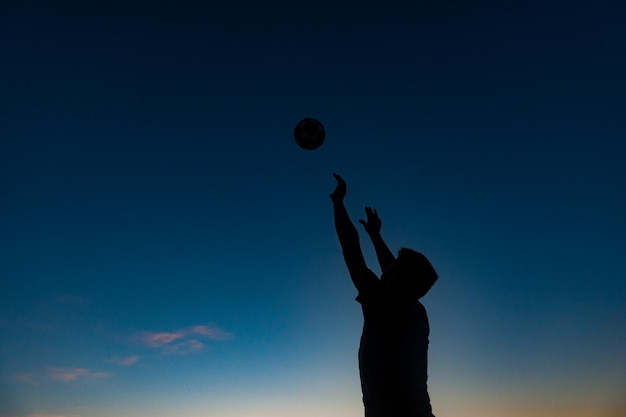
[167, 249]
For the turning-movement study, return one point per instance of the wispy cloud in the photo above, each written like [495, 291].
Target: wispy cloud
[183, 348]
[57, 375]
[25, 378]
[124, 360]
[210, 332]
[159, 339]
[51, 415]
[72, 374]
[182, 341]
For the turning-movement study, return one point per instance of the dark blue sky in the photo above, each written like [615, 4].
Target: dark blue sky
[166, 243]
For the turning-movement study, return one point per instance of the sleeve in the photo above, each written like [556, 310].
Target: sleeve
[371, 289]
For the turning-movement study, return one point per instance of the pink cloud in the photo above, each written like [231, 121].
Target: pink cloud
[182, 341]
[183, 348]
[159, 339]
[210, 332]
[124, 361]
[72, 374]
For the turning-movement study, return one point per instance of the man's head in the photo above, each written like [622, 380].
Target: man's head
[411, 272]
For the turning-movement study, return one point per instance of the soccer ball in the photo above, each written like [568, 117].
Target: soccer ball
[309, 133]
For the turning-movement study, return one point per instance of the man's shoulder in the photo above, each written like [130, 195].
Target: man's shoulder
[371, 286]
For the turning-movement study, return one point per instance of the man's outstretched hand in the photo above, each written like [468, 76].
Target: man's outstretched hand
[373, 223]
[340, 190]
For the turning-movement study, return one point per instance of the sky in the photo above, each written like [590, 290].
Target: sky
[168, 250]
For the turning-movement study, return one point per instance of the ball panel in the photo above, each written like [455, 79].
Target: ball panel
[309, 133]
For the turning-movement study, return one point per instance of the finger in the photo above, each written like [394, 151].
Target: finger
[363, 222]
[375, 212]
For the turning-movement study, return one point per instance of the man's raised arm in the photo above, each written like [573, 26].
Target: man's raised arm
[372, 227]
[348, 236]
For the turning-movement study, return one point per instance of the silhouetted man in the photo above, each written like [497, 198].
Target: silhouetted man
[393, 354]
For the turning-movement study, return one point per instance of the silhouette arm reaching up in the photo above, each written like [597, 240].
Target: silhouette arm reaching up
[348, 236]
[372, 226]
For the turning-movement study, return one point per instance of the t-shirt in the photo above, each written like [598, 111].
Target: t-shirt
[393, 355]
